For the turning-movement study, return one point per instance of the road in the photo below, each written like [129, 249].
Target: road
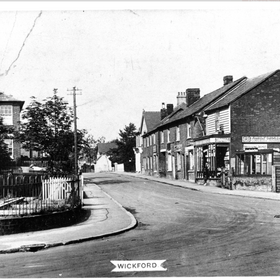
[198, 234]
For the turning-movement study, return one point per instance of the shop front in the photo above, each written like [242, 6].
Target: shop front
[254, 163]
[215, 152]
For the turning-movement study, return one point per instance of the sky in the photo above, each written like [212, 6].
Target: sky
[126, 58]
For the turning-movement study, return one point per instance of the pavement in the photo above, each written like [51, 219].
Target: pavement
[107, 217]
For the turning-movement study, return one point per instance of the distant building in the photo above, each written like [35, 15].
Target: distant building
[10, 109]
[103, 162]
[148, 121]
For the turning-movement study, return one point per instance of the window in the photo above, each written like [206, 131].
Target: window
[7, 114]
[178, 133]
[9, 143]
[254, 164]
[188, 130]
[154, 139]
[217, 121]
[168, 136]
[162, 137]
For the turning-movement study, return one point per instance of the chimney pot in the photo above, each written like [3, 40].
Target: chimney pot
[228, 79]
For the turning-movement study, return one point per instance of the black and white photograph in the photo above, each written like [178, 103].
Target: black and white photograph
[139, 139]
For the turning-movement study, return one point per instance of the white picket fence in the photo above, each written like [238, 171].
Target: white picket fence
[61, 188]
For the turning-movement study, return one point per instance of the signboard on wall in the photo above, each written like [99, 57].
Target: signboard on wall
[261, 139]
[252, 147]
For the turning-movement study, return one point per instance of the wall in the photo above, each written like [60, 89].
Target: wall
[263, 183]
[41, 222]
[224, 120]
[256, 113]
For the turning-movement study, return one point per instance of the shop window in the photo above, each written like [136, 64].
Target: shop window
[254, 164]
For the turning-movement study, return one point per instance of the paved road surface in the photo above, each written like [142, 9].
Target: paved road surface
[198, 234]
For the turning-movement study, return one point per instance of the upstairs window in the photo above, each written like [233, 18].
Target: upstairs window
[178, 133]
[217, 121]
[162, 137]
[188, 130]
[168, 136]
[6, 112]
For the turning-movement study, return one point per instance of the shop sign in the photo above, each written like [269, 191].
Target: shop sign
[261, 139]
[212, 140]
[254, 147]
[178, 147]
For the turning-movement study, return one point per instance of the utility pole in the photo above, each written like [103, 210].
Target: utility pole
[74, 92]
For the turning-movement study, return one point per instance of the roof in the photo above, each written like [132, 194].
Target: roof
[104, 148]
[200, 103]
[246, 86]
[152, 118]
[4, 98]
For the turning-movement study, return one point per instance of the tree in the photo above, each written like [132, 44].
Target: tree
[5, 159]
[124, 152]
[89, 150]
[46, 128]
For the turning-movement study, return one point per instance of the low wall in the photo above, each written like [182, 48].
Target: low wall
[41, 222]
[263, 183]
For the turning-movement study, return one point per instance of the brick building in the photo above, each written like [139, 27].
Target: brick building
[10, 109]
[234, 128]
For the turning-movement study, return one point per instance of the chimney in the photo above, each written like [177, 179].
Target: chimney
[228, 79]
[192, 95]
[169, 108]
[181, 98]
[163, 112]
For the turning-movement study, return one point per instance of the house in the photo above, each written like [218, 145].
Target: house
[10, 109]
[148, 121]
[248, 119]
[103, 162]
[234, 128]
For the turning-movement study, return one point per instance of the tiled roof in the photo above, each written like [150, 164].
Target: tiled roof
[104, 148]
[242, 89]
[9, 98]
[201, 103]
[152, 118]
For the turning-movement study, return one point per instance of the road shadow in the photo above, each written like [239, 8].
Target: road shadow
[109, 182]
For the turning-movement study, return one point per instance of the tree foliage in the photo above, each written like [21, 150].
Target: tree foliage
[124, 152]
[47, 128]
[5, 158]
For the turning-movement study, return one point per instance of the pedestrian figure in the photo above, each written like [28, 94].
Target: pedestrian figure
[206, 173]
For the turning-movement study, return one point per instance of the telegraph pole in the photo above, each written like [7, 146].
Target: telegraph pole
[74, 92]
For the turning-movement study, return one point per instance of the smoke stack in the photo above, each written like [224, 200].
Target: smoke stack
[181, 98]
[192, 95]
[163, 111]
[169, 108]
[228, 79]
